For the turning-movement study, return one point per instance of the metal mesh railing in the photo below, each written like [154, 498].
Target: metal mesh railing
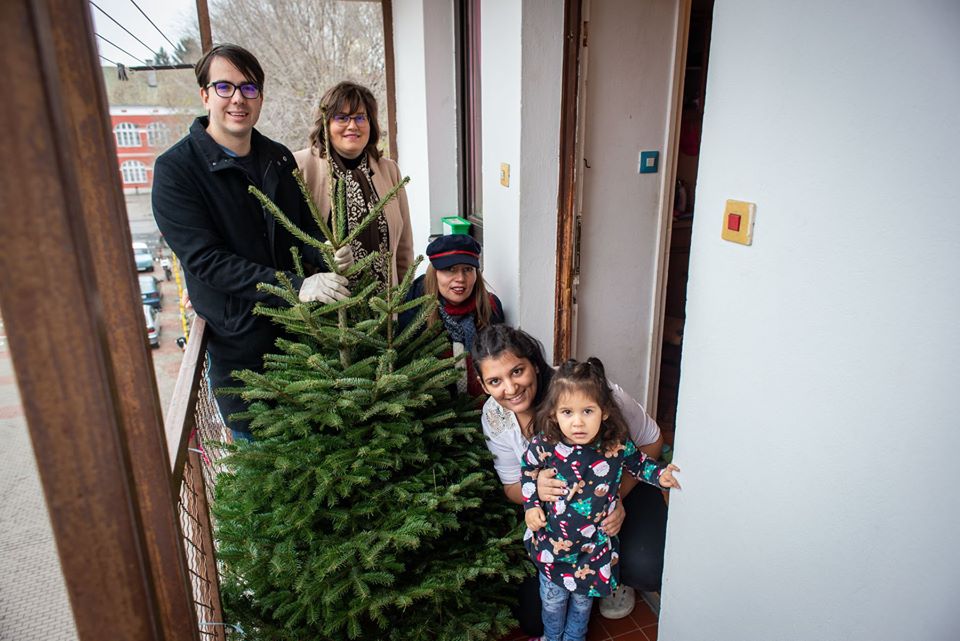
[194, 409]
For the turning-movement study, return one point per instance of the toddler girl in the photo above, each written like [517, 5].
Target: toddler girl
[582, 434]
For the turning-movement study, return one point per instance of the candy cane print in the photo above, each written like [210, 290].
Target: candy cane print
[575, 487]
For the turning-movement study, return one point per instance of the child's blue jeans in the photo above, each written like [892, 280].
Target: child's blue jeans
[565, 614]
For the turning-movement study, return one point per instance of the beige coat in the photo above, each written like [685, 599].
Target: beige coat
[386, 174]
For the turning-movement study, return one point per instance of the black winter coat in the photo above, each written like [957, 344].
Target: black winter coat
[225, 240]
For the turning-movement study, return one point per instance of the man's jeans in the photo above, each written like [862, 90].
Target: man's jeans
[565, 614]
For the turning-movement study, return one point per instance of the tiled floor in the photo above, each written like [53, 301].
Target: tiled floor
[641, 625]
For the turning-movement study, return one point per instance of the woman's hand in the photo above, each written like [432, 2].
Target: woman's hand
[343, 258]
[614, 521]
[535, 518]
[667, 479]
[549, 488]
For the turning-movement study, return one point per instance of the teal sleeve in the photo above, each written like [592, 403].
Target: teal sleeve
[641, 466]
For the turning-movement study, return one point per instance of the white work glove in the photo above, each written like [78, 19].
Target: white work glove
[343, 258]
[326, 288]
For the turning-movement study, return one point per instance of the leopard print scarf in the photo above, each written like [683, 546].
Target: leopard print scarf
[361, 197]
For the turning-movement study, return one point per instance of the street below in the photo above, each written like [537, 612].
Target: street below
[33, 599]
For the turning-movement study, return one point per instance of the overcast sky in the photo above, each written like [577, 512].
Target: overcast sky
[173, 17]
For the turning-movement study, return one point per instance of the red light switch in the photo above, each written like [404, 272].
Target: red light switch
[737, 222]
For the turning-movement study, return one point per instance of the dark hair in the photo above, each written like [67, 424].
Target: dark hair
[236, 55]
[345, 97]
[589, 379]
[494, 341]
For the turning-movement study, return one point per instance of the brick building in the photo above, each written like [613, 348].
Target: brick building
[141, 133]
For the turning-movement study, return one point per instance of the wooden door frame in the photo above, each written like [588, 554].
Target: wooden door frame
[570, 188]
[74, 320]
[390, 68]
[567, 190]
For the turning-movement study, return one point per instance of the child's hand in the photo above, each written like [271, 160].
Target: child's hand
[667, 479]
[535, 518]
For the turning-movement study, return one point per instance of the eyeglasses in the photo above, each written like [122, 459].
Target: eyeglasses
[224, 89]
[344, 119]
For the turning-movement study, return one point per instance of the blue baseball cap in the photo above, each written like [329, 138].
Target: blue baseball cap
[454, 249]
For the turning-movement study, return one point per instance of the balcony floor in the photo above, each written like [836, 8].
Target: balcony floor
[641, 625]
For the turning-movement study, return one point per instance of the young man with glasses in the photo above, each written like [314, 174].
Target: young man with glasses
[225, 240]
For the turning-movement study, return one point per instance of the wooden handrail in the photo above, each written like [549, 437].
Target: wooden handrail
[190, 474]
[181, 418]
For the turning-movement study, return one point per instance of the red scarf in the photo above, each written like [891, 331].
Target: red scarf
[466, 307]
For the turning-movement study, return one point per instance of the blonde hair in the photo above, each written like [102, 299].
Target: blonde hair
[484, 310]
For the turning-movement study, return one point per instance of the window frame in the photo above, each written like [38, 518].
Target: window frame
[127, 134]
[158, 134]
[133, 169]
[470, 151]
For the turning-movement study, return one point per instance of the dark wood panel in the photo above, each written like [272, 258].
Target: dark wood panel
[75, 325]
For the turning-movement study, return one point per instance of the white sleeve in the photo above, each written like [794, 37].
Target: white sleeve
[643, 429]
[505, 458]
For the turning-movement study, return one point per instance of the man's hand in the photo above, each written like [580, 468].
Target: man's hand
[535, 518]
[549, 488]
[325, 288]
[343, 258]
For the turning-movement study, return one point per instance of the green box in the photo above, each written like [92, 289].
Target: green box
[455, 225]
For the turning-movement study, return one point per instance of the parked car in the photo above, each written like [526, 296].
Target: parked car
[143, 257]
[150, 292]
[151, 316]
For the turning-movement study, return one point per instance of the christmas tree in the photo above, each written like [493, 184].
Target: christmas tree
[366, 507]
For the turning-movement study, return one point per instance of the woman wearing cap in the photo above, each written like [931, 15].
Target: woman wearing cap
[465, 305]
[352, 126]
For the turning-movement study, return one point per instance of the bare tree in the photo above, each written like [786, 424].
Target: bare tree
[305, 47]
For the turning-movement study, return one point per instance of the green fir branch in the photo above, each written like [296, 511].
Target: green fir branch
[375, 212]
[298, 233]
[297, 261]
[315, 212]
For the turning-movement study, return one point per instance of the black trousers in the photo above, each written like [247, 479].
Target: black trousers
[642, 539]
[219, 373]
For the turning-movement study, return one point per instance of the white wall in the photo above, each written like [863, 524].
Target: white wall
[426, 111]
[500, 25]
[521, 64]
[542, 68]
[628, 87]
[818, 424]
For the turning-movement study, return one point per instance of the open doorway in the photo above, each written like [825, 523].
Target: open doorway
[678, 258]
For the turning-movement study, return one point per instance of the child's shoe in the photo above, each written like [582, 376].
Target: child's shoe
[619, 604]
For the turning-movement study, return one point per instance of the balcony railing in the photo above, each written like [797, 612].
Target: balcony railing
[195, 438]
